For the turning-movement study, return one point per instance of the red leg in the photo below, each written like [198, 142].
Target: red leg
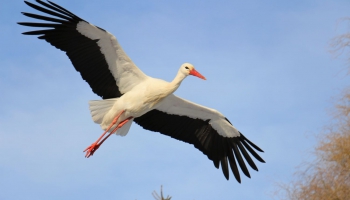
[91, 149]
[94, 146]
[115, 129]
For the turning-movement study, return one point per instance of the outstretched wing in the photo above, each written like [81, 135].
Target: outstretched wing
[94, 52]
[205, 128]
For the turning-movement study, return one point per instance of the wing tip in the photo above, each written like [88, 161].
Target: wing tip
[251, 143]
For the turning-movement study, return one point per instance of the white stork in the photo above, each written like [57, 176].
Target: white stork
[130, 95]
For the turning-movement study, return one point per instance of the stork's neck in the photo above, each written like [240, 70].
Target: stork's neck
[177, 80]
[173, 85]
[162, 91]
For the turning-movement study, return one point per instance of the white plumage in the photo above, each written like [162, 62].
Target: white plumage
[148, 95]
[126, 74]
[178, 106]
[130, 95]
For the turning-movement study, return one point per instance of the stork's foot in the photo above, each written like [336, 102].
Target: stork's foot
[94, 146]
[91, 149]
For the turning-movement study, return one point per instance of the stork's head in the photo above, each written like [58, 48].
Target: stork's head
[188, 69]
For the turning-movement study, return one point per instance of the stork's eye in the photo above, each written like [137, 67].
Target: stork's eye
[186, 67]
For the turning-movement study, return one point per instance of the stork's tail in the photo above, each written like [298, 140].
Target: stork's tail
[99, 108]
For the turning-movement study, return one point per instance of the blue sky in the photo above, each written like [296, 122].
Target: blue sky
[268, 69]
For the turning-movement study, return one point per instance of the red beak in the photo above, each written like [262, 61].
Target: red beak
[193, 72]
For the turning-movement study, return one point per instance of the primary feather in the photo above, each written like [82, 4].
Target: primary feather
[97, 56]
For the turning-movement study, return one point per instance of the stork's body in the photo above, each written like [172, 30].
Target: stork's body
[143, 97]
[118, 114]
[130, 95]
[138, 101]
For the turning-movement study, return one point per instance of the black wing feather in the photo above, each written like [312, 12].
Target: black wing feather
[87, 59]
[240, 160]
[62, 11]
[44, 10]
[84, 53]
[204, 137]
[233, 165]
[61, 8]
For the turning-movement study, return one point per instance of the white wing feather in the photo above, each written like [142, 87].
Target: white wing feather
[177, 106]
[125, 72]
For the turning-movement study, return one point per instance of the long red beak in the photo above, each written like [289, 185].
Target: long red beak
[193, 72]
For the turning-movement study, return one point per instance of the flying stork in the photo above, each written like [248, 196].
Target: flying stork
[130, 95]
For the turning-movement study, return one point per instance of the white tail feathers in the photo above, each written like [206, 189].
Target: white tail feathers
[125, 129]
[99, 108]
